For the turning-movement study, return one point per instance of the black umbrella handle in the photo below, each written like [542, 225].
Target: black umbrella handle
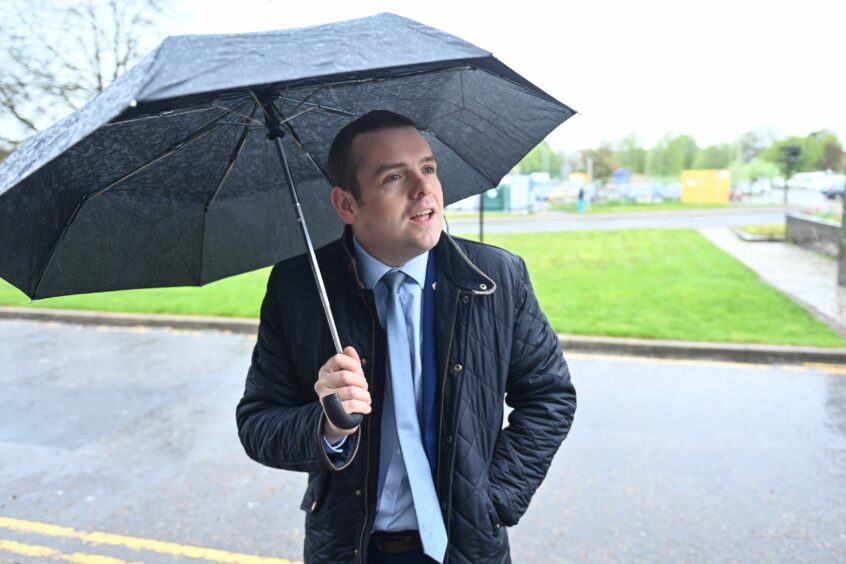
[336, 414]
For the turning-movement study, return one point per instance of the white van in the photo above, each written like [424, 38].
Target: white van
[818, 180]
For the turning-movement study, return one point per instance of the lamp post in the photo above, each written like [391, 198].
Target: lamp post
[789, 156]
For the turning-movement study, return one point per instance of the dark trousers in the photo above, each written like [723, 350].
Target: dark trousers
[401, 547]
[413, 557]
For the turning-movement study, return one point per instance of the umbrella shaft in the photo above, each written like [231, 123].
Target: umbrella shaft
[315, 268]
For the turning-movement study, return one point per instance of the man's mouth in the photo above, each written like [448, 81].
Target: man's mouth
[423, 215]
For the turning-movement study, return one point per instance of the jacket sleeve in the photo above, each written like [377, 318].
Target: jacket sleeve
[279, 424]
[543, 401]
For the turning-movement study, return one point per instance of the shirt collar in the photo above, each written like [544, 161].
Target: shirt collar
[372, 269]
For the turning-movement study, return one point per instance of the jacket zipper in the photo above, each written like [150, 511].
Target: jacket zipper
[443, 387]
[369, 435]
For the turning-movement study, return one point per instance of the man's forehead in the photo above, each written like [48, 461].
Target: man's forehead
[390, 145]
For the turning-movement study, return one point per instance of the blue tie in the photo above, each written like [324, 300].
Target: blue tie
[429, 518]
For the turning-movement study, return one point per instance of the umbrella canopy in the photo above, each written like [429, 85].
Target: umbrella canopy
[167, 178]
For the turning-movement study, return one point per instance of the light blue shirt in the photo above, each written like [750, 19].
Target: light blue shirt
[394, 504]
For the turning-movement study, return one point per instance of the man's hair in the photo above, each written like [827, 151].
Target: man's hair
[343, 165]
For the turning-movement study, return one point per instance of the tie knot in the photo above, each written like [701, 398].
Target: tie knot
[393, 280]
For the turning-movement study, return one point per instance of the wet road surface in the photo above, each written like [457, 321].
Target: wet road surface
[132, 433]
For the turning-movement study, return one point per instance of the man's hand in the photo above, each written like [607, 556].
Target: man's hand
[342, 375]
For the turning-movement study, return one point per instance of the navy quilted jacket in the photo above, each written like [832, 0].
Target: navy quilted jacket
[493, 342]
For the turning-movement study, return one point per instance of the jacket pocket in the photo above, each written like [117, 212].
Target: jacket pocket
[493, 517]
[314, 492]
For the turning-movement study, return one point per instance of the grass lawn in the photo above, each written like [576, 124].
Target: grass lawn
[661, 283]
[666, 284]
[238, 296]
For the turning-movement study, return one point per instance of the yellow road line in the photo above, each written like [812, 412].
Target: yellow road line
[137, 543]
[37, 551]
[838, 369]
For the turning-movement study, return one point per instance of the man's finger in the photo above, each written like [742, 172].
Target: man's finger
[352, 393]
[356, 406]
[351, 352]
[331, 381]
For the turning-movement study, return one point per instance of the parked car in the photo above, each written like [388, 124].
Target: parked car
[838, 186]
[760, 186]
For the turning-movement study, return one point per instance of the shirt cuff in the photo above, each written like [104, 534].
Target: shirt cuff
[337, 448]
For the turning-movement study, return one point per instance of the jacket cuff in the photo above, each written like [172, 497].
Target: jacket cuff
[338, 461]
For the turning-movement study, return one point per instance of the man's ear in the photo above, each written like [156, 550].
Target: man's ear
[345, 205]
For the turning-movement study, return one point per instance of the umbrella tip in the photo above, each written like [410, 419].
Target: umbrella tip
[133, 103]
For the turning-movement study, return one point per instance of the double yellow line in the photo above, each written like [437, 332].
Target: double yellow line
[98, 538]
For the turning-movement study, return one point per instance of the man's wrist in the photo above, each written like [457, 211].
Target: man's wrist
[333, 434]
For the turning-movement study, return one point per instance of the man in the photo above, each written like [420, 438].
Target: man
[438, 332]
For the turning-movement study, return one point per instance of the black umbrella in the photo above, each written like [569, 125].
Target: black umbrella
[172, 175]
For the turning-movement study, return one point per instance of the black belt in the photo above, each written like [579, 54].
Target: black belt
[395, 542]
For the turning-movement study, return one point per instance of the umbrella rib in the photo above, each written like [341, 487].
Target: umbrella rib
[232, 158]
[451, 148]
[240, 124]
[160, 115]
[240, 115]
[282, 102]
[326, 108]
[304, 100]
[287, 125]
[56, 246]
[299, 144]
[204, 130]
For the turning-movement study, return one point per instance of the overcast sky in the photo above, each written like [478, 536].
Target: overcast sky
[712, 69]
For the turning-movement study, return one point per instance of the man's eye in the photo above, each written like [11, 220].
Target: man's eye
[392, 177]
[429, 169]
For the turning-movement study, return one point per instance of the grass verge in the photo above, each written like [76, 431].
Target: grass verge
[658, 283]
[775, 230]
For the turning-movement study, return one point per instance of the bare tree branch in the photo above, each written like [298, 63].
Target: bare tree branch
[55, 55]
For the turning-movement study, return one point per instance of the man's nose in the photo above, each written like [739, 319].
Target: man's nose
[421, 186]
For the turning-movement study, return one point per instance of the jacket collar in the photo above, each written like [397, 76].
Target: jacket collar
[459, 269]
[452, 263]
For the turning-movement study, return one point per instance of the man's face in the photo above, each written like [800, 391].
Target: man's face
[400, 211]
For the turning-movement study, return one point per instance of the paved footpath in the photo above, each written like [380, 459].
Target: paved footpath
[807, 277]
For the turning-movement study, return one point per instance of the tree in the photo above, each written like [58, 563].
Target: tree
[57, 55]
[715, 156]
[832, 157]
[602, 161]
[631, 155]
[830, 151]
[753, 142]
[794, 154]
[542, 159]
[671, 155]
[757, 168]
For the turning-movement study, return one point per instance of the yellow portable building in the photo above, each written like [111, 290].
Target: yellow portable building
[705, 186]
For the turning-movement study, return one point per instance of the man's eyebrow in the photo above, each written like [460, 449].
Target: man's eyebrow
[390, 166]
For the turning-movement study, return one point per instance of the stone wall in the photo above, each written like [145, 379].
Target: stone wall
[813, 233]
